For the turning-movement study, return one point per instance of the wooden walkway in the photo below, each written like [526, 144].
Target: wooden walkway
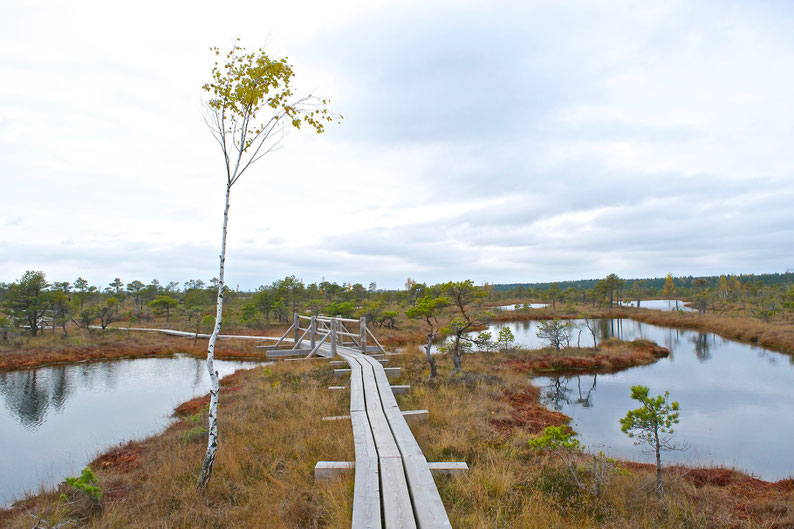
[393, 484]
[394, 487]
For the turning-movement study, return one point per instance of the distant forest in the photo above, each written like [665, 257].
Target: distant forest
[34, 303]
[656, 283]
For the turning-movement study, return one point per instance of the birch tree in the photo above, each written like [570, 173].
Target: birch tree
[250, 109]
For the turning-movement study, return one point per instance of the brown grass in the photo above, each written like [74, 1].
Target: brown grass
[272, 435]
[778, 334]
[82, 346]
[611, 355]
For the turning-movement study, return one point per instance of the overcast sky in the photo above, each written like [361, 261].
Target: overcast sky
[500, 141]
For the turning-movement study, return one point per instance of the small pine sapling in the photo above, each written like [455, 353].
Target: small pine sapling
[562, 442]
[652, 424]
[506, 339]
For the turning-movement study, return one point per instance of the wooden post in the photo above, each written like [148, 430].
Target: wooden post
[362, 331]
[297, 323]
[334, 326]
[313, 332]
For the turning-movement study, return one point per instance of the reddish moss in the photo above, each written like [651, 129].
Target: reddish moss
[192, 406]
[614, 356]
[123, 459]
[527, 413]
[160, 346]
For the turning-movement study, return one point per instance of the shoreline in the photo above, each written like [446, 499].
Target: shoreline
[779, 338]
[494, 407]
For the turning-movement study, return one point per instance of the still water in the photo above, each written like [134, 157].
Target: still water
[737, 400]
[54, 420]
[661, 304]
[520, 306]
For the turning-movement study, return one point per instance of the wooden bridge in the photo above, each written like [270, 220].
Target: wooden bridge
[394, 486]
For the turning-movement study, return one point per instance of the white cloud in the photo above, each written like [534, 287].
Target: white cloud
[519, 142]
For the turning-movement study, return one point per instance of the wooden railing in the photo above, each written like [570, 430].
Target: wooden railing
[319, 331]
[393, 483]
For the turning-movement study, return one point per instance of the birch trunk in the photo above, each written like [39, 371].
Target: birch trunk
[212, 441]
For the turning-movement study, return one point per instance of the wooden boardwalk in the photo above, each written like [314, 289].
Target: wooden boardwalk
[394, 487]
[393, 484]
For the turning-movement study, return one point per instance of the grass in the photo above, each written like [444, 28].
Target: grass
[731, 322]
[272, 435]
[80, 345]
[777, 334]
[84, 346]
[612, 355]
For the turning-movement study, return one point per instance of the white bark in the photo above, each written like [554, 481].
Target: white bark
[212, 441]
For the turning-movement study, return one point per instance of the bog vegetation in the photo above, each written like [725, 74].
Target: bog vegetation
[483, 407]
[488, 415]
[32, 304]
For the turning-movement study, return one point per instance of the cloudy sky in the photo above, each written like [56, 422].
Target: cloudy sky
[497, 141]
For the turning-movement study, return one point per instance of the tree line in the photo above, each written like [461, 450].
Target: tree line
[35, 304]
[763, 297]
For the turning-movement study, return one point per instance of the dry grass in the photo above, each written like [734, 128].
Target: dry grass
[778, 334]
[612, 355]
[84, 346]
[272, 435]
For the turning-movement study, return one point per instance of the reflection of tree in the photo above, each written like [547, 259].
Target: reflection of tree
[605, 328]
[60, 387]
[586, 399]
[702, 347]
[556, 393]
[32, 400]
[110, 373]
[673, 338]
[29, 393]
[197, 373]
[770, 357]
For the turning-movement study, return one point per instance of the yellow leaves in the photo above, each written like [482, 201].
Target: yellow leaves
[250, 83]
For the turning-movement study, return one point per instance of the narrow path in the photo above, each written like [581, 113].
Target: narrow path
[172, 332]
[391, 472]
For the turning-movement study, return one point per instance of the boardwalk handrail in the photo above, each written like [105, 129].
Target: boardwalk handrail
[322, 329]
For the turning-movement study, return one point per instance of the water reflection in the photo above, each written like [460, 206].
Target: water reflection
[701, 341]
[520, 306]
[559, 391]
[556, 393]
[661, 304]
[30, 394]
[702, 344]
[56, 419]
[735, 398]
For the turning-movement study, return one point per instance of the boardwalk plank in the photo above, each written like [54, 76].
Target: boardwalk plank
[366, 491]
[430, 510]
[397, 505]
[407, 492]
